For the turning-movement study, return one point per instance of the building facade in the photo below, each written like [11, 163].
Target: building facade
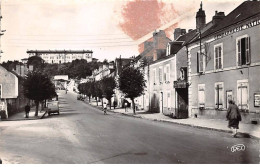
[61, 56]
[8, 89]
[224, 63]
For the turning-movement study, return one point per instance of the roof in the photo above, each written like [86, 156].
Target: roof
[247, 9]
[187, 37]
[59, 51]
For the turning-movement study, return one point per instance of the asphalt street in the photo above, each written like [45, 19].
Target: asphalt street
[82, 134]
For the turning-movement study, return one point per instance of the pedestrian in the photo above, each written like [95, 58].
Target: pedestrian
[105, 108]
[126, 106]
[233, 116]
[27, 109]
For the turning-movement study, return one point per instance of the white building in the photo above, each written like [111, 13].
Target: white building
[61, 56]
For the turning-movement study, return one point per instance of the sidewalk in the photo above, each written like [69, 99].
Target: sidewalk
[211, 124]
[21, 115]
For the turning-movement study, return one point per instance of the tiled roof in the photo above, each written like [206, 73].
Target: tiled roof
[244, 11]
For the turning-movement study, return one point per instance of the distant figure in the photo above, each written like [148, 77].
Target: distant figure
[27, 109]
[126, 106]
[0, 161]
[233, 116]
[105, 108]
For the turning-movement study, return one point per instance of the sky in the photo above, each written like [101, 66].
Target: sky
[109, 28]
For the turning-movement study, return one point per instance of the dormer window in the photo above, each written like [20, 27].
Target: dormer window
[168, 50]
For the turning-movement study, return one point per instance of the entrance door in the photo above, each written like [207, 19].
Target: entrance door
[182, 103]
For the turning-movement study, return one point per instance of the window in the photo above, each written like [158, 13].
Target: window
[154, 76]
[160, 75]
[200, 62]
[243, 50]
[201, 95]
[169, 100]
[219, 95]
[218, 57]
[242, 94]
[167, 73]
[168, 51]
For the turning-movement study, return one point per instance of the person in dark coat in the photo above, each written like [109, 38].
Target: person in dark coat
[27, 109]
[233, 116]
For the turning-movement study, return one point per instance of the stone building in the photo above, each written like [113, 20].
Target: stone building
[61, 56]
[224, 63]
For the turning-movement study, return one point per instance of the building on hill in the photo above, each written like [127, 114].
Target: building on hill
[61, 56]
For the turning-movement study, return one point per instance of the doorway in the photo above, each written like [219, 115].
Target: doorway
[182, 103]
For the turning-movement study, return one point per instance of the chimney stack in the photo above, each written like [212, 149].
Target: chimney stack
[178, 32]
[200, 18]
[218, 17]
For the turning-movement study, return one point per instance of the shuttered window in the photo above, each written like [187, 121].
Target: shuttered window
[167, 73]
[243, 51]
[218, 56]
[160, 74]
[154, 76]
[201, 95]
[201, 62]
[219, 95]
[242, 95]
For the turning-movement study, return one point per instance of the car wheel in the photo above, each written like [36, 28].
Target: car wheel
[49, 113]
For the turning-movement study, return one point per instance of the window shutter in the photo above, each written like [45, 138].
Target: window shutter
[248, 50]
[216, 58]
[198, 62]
[239, 62]
[219, 58]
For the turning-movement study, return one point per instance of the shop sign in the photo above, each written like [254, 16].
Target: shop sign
[180, 84]
[257, 99]
[239, 28]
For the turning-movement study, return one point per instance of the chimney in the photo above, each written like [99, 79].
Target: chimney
[178, 32]
[218, 17]
[158, 39]
[200, 18]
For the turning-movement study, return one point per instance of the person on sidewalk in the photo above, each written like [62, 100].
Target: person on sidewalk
[233, 116]
[105, 108]
[27, 109]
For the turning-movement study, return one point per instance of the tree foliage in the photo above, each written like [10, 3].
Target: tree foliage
[108, 85]
[10, 65]
[37, 62]
[38, 87]
[132, 83]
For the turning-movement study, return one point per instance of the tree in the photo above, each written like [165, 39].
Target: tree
[132, 84]
[108, 85]
[10, 65]
[98, 89]
[38, 87]
[37, 62]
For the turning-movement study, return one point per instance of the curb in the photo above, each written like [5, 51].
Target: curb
[194, 126]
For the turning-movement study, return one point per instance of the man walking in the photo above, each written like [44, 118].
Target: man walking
[233, 116]
[27, 110]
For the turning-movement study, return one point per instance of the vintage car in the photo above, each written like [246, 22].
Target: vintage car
[52, 107]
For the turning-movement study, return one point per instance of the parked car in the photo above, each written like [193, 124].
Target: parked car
[53, 107]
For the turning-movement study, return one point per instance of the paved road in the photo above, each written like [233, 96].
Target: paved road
[82, 134]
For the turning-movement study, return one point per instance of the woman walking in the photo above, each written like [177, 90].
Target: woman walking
[233, 116]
